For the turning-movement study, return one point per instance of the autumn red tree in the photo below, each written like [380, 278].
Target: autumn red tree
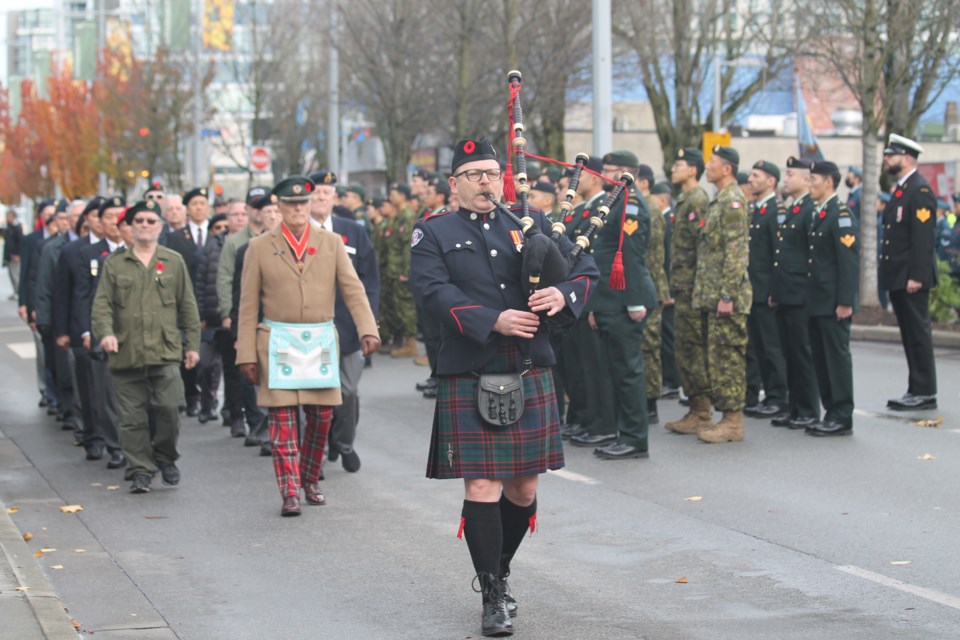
[32, 156]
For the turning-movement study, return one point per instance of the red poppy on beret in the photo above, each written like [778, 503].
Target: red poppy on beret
[308, 187]
[469, 146]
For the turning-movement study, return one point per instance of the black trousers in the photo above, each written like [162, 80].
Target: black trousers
[913, 316]
[232, 380]
[830, 340]
[766, 365]
[668, 358]
[793, 324]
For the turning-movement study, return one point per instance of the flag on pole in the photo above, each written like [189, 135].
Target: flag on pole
[809, 147]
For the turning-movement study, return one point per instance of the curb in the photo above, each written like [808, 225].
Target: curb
[941, 339]
[43, 602]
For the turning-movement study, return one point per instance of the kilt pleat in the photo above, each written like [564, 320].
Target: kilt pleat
[464, 446]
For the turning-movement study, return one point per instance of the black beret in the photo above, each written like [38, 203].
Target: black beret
[254, 195]
[154, 186]
[93, 205]
[218, 217]
[768, 168]
[423, 174]
[621, 158]
[293, 189]
[661, 188]
[61, 205]
[471, 151]
[690, 155]
[798, 163]
[729, 154]
[324, 176]
[141, 205]
[402, 188]
[546, 187]
[111, 202]
[261, 202]
[199, 192]
[440, 184]
[594, 163]
[824, 168]
[743, 177]
[43, 204]
[644, 172]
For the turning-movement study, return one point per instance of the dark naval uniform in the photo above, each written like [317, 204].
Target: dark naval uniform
[766, 367]
[907, 253]
[834, 280]
[788, 290]
[465, 269]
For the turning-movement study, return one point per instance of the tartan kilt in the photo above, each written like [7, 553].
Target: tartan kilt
[530, 446]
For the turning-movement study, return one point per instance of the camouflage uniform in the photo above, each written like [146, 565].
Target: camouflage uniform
[380, 235]
[722, 256]
[398, 264]
[690, 352]
[652, 330]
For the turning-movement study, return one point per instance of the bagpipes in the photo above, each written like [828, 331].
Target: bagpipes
[544, 263]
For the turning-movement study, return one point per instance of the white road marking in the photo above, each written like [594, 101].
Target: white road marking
[24, 350]
[573, 477]
[23, 328]
[906, 587]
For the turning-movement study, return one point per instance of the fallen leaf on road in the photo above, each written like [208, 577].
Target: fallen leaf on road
[27, 537]
[694, 499]
[71, 508]
[79, 550]
[682, 580]
[901, 562]
[57, 566]
[930, 423]
[113, 487]
[76, 625]
[37, 553]
[926, 456]
[96, 484]
[47, 549]
[23, 588]
[13, 509]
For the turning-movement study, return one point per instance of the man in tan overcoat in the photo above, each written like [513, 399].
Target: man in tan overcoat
[286, 339]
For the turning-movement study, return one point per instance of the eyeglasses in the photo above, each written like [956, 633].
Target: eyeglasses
[149, 221]
[474, 175]
[155, 196]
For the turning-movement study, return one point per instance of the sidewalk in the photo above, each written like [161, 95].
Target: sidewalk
[941, 339]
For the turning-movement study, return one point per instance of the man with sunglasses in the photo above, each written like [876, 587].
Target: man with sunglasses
[143, 296]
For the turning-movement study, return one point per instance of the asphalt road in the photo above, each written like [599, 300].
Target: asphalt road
[793, 537]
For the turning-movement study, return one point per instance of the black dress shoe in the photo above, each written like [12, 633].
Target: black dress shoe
[42, 403]
[427, 384]
[619, 451]
[291, 507]
[51, 411]
[767, 411]
[430, 393]
[332, 452]
[670, 392]
[206, 416]
[569, 429]
[802, 423]
[193, 408]
[250, 441]
[588, 440]
[95, 451]
[782, 420]
[117, 460]
[752, 409]
[652, 416]
[141, 483]
[913, 403]
[170, 474]
[904, 398]
[266, 449]
[829, 428]
[350, 461]
[684, 400]
[237, 428]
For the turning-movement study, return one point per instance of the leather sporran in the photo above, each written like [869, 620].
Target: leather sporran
[500, 398]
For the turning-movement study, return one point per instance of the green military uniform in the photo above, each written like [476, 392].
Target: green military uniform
[834, 280]
[691, 355]
[671, 377]
[621, 338]
[380, 233]
[788, 290]
[652, 364]
[400, 298]
[145, 307]
[722, 256]
[766, 367]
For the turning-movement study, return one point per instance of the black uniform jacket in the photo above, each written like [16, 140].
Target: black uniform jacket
[834, 260]
[763, 246]
[909, 235]
[69, 273]
[791, 258]
[465, 270]
[364, 259]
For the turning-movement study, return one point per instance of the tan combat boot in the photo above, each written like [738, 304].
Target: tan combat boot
[407, 350]
[729, 429]
[697, 419]
[422, 361]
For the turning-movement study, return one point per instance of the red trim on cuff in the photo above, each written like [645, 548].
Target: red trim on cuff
[586, 293]
[460, 326]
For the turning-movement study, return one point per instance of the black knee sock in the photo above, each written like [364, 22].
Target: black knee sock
[482, 528]
[516, 521]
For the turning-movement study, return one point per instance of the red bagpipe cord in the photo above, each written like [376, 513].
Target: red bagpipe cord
[509, 192]
[618, 280]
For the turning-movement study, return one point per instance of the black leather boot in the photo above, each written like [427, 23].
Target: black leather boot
[652, 416]
[507, 595]
[494, 621]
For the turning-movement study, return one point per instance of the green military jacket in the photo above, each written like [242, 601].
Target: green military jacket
[667, 242]
[764, 218]
[834, 276]
[723, 252]
[635, 223]
[146, 307]
[690, 215]
[397, 241]
[791, 256]
[655, 250]
[578, 221]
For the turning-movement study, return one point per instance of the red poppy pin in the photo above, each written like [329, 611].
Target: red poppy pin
[104, 253]
[823, 214]
[312, 250]
[763, 210]
[568, 218]
[702, 222]
[160, 267]
[344, 238]
[586, 213]
[898, 193]
[796, 210]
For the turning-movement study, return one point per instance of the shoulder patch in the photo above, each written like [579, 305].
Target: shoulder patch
[924, 190]
[923, 214]
[735, 204]
[845, 221]
[848, 240]
[416, 237]
[632, 210]
[630, 226]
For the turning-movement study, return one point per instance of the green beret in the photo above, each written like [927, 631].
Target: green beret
[743, 177]
[341, 191]
[768, 168]
[690, 155]
[622, 158]
[402, 188]
[661, 188]
[142, 205]
[728, 154]
[199, 192]
[293, 189]
[357, 189]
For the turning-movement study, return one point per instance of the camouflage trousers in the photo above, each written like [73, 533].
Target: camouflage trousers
[726, 359]
[652, 358]
[398, 311]
[690, 348]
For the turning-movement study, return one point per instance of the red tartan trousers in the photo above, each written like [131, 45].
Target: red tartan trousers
[293, 462]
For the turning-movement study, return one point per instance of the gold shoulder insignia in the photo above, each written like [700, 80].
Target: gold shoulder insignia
[923, 214]
[848, 240]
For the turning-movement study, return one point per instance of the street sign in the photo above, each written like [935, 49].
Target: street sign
[709, 139]
[209, 133]
[260, 158]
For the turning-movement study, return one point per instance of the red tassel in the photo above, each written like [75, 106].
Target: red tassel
[509, 191]
[463, 523]
[617, 280]
[533, 523]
